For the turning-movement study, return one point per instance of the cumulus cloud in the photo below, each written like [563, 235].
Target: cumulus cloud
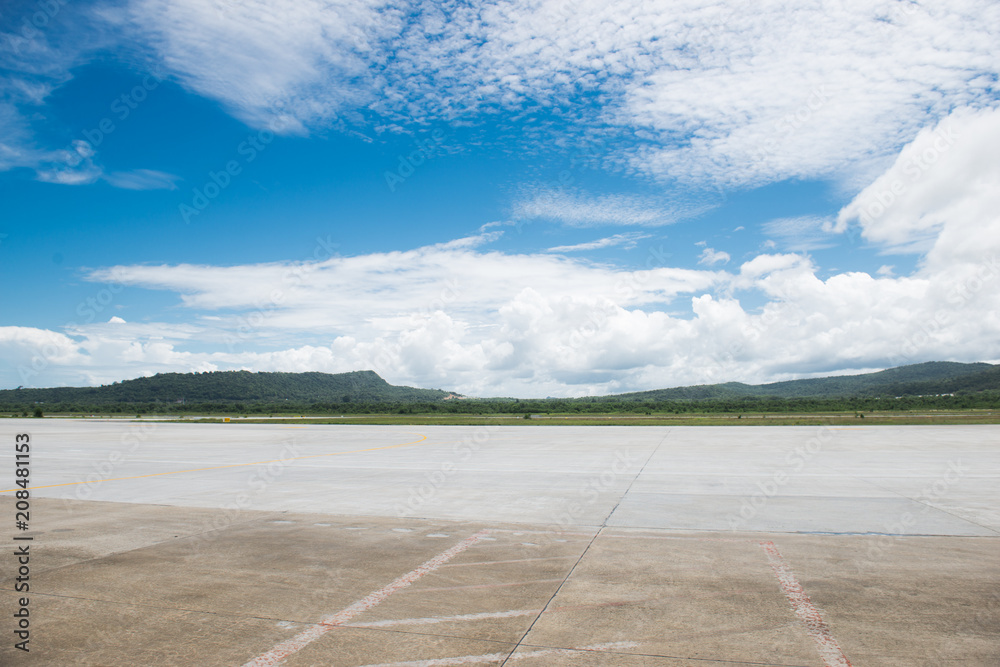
[341, 292]
[698, 93]
[940, 196]
[481, 322]
[608, 334]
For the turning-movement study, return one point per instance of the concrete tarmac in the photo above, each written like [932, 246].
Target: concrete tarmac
[185, 544]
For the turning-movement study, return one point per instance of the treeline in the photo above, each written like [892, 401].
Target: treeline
[932, 385]
[933, 377]
[595, 405]
[222, 387]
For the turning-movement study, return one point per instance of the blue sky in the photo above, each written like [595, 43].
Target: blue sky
[498, 198]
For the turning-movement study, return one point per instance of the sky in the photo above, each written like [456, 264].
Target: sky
[510, 198]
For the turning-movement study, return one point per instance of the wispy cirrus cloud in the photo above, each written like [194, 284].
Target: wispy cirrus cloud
[711, 256]
[77, 165]
[42, 46]
[690, 91]
[575, 209]
[69, 166]
[801, 234]
[627, 240]
[310, 59]
[142, 179]
[710, 96]
[729, 94]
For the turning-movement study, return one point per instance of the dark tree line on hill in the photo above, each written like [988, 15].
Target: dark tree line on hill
[583, 406]
[934, 385]
[229, 387]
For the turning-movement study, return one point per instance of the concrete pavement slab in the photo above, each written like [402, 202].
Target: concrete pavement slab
[184, 544]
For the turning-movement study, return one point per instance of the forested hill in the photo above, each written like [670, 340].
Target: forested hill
[232, 387]
[933, 377]
[365, 391]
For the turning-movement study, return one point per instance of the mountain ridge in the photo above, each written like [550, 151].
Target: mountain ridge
[232, 387]
[223, 388]
[932, 377]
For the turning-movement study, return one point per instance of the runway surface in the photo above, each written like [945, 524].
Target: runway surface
[238, 544]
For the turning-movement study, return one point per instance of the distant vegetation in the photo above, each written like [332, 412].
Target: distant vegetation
[934, 377]
[226, 390]
[933, 385]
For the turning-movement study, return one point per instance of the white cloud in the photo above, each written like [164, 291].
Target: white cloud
[76, 166]
[481, 322]
[579, 210]
[287, 63]
[688, 90]
[710, 256]
[802, 233]
[15, 149]
[73, 165]
[940, 196]
[69, 176]
[37, 62]
[628, 240]
[56, 346]
[607, 333]
[703, 92]
[488, 323]
[38, 56]
[142, 179]
[344, 293]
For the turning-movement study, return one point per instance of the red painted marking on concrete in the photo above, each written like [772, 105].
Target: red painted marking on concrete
[287, 648]
[829, 649]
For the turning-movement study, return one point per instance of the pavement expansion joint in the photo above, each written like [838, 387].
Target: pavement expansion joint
[534, 550]
[554, 594]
